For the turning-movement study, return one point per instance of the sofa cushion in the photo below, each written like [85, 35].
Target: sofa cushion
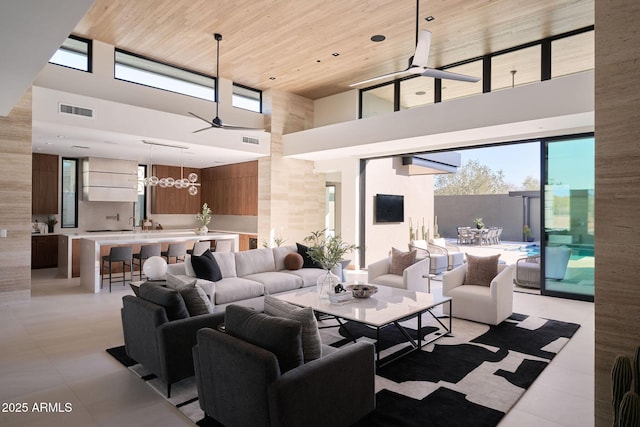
[227, 263]
[311, 342]
[481, 270]
[275, 281]
[254, 261]
[309, 276]
[280, 336]
[280, 252]
[308, 262]
[188, 268]
[401, 260]
[168, 298]
[293, 261]
[234, 289]
[206, 266]
[392, 280]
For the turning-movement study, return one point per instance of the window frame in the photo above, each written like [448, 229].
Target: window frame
[258, 92]
[89, 54]
[62, 192]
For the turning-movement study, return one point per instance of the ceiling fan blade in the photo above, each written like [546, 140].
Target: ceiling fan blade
[384, 76]
[200, 130]
[201, 118]
[448, 75]
[422, 50]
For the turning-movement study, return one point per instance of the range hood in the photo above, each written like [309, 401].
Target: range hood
[109, 180]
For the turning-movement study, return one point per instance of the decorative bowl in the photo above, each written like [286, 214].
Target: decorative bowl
[362, 291]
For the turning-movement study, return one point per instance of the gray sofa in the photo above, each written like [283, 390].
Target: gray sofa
[249, 275]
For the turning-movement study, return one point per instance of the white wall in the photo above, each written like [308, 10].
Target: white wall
[341, 107]
[388, 176]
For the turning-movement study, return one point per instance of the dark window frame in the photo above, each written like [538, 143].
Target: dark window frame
[89, 44]
[259, 92]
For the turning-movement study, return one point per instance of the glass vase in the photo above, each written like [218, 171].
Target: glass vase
[326, 283]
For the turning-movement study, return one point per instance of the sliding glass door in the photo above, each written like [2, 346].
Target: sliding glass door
[568, 218]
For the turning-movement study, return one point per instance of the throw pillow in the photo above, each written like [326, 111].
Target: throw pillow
[168, 298]
[401, 260]
[311, 342]
[206, 266]
[195, 299]
[308, 262]
[293, 261]
[481, 270]
[280, 336]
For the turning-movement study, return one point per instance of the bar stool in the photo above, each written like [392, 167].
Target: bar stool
[200, 247]
[146, 252]
[121, 254]
[175, 250]
[225, 245]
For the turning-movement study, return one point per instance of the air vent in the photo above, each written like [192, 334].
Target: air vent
[250, 140]
[76, 111]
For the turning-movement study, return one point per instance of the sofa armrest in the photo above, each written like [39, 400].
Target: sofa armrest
[175, 342]
[346, 378]
[177, 269]
[416, 275]
[453, 278]
[502, 284]
[378, 268]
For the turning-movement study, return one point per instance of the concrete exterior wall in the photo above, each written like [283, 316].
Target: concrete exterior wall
[497, 210]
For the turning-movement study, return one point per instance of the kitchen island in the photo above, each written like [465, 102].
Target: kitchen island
[90, 245]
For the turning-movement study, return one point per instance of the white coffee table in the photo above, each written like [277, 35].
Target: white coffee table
[389, 306]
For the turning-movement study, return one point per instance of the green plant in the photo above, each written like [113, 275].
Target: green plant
[526, 230]
[277, 242]
[327, 251]
[479, 223]
[205, 215]
[624, 398]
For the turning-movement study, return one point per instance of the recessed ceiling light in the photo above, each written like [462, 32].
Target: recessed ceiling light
[335, 54]
[429, 18]
[317, 60]
[272, 78]
[421, 92]
[378, 38]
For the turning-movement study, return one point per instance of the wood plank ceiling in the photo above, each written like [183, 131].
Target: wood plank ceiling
[294, 41]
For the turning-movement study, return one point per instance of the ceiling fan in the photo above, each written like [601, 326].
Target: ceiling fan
[418, 62]
[217, 122]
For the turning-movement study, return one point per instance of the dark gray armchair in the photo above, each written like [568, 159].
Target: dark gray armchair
[162, 346]
[240, 384]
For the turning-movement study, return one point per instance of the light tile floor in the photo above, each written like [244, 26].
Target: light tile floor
[53, 352]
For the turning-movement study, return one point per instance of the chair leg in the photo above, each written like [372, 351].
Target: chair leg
[110, 275]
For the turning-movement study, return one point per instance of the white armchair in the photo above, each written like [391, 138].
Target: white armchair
[485, 304]
[414, 278]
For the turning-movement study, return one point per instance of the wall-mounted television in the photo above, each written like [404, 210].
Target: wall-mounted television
[389, 208]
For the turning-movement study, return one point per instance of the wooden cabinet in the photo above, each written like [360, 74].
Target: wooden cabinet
[44, 178]
[44, 251]
[231, 189]
[173, 200]
[247, 241]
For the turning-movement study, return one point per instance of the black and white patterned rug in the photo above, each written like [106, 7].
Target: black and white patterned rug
[472, 377]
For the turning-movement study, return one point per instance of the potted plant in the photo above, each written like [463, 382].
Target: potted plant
[328, 252]
[205, 218]
[479, 223]
[526, 230]
[51, 221]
